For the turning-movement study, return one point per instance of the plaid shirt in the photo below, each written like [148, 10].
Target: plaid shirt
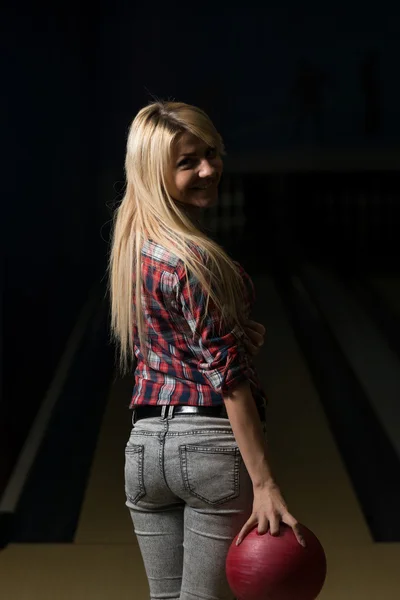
[188, 364]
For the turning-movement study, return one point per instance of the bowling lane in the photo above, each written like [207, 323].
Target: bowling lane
[303, 449]
[301, 445]
[303, 452]
[104, 518]
[105, 563]
[376, 365]
[338, 337]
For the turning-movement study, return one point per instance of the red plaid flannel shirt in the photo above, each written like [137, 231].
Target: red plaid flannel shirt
[188, 364]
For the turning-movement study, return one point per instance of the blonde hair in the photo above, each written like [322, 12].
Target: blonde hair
[148, 211]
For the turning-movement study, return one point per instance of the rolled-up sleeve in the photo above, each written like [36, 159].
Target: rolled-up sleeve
[222, 357]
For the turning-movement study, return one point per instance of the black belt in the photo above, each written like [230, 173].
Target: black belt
[145, 412]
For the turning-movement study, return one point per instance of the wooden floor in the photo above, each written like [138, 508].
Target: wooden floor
[104, 563]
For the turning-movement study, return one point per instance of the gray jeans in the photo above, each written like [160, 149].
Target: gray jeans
[189, 493]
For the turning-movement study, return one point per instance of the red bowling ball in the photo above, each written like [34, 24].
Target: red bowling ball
[265, 567]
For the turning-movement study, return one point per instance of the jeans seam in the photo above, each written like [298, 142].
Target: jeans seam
[182, 433]
[161, 437]
[138, 449]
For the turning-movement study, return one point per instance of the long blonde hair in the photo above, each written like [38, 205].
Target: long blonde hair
[148, 211]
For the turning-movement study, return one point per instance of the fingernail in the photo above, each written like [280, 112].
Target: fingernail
[238, 541]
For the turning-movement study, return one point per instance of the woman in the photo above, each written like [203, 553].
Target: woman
[196, 469]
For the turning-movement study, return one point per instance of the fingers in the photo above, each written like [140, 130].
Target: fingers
[255, 338]
[299, 536]
[263, 525]
[258, 327]
[251, 349]
[296, 527]
[247, 527]
[255, 333]
[274, 525]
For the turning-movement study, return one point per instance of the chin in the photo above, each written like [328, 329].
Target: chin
[208, 201]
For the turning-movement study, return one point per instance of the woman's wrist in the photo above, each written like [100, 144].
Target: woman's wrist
[264, 483]
[248, 432]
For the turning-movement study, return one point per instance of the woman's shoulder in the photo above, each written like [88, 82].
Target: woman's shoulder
[159, 254]
[168, 255]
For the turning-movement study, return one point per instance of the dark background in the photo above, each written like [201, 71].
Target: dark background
[75, 78]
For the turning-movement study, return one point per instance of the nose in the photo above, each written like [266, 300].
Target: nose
[206, 169]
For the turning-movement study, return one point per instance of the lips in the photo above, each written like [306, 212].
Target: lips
[204, 187]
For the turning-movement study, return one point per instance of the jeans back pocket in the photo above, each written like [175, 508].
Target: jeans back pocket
[134, 481]
[211, 473]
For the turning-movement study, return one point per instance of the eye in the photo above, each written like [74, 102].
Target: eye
[185, 162]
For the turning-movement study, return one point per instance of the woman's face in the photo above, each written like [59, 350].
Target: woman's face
[195, 172]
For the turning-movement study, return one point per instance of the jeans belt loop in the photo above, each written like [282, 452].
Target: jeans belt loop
[171, 412]
[163, 412]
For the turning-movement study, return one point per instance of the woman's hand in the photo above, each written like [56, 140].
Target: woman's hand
[255, 333]
[269, 509]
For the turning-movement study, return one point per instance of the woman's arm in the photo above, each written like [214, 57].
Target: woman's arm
[224, 364]
[248, 432]
[269, 507]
